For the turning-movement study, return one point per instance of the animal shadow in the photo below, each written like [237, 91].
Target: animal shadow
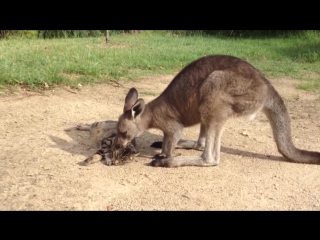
[81, 144]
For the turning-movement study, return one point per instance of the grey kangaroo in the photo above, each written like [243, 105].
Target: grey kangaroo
[208, 91]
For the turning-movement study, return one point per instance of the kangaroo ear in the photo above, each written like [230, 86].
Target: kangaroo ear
[131, 98]
[137, 108]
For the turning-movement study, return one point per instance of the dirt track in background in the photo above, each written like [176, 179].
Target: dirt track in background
[39, 161]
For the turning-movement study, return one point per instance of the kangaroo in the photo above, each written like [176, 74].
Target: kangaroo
[209, 91]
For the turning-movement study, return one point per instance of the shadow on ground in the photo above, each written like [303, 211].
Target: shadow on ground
[81, 145]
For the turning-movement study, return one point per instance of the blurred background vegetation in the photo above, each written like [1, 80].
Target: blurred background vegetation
[32, 34]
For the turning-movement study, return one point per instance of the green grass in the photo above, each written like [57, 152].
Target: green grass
[149, 93]
[309, 85]
[33, 62]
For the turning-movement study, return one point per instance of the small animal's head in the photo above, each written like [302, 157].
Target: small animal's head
[129, 122]
[127, 154]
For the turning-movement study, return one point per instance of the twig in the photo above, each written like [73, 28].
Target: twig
[114, 83]
[68, 90]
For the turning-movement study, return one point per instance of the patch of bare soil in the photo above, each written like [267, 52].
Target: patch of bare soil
[39, 161]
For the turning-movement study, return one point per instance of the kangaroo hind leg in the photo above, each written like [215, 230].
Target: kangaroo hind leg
[199, 145]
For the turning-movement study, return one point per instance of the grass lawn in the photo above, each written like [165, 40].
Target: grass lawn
[34, 62]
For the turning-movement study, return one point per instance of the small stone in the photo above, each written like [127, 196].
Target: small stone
[245, 133]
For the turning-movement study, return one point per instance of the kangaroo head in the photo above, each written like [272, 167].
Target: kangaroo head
[129, 121]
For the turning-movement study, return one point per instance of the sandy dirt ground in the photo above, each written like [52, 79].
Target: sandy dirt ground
[39, 161]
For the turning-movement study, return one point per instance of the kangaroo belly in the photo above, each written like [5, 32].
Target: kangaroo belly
[191, 119]
[187, 113]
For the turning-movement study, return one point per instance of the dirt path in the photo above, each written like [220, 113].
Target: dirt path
[39, 167]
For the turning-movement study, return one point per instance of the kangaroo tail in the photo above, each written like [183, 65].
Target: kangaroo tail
[278, 116]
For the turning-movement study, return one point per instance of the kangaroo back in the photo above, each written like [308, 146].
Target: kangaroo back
[203, 78]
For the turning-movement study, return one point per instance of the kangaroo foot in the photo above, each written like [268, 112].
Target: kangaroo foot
[162, 162]
[198, 147]
[179, 161]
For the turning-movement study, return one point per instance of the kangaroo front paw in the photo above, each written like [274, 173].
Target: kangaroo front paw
[158, 157]
[164, 162]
